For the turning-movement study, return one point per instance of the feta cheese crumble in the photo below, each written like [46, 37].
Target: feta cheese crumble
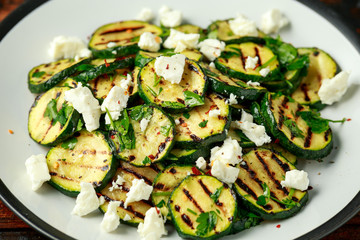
[332, 90]
[153, 226]
[251, 62]
[170, 18]
[111, 45]
[224, 172]
[211, 48]
[214, 113]
[256, 133]
[84, 102]
[111, 219]
[87, 200]
[126, 82]
[242, 26]
[37, 169]
[232, 100]
[117, 184]
[253, 84]
[114, 102]
[177, 121]
[149, 42]
[181, 41]
[143, 124]
[201, 163]
[296, 179]
[138, 191]
[146, 15]
[127, 217]
[264, 71]
[273, 20]
[170, 68]
[212, 65]
[68, 47]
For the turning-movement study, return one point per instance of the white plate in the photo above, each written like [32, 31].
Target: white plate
[335, 180]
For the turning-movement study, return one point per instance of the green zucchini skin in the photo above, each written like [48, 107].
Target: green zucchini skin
[232, 62]
[68, 167]
[190, 135]
[254, 171]
[187, 196]
[41, 128]
[311, 145]
[105, 68]
[187, 156]
[225, 85]
[53, 73]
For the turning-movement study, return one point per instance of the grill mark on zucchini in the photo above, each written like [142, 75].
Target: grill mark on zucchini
[121, 30]
[188, 195]
[207, 191]
[257, 55]
[245, 187]
[304, 89]
[285, 167]
[187, 220]
[307, 142]
[136, 174]
[128, 209]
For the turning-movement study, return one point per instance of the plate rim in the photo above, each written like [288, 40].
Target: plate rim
[15, 205]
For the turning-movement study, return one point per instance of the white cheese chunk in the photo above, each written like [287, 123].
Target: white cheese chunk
[212, 65]
[111, 44]
[296, 179]
[170, 68]
[256, 133]
[211, 48]
[68, 47]
[114, 102]
[224, 172]
[84, 102]
[146, 15]
[214, 113]
[126, 83]
[242, 26]
[117, 184]
[201, 163]
[332, 90]
[149, 42]
[181, 41]
[177, 121]
[253, 84]
[170, 18]
[111, 219]
[87, 200]
[127, 217]
[264, 71]
[153, 226]
[229, 153]
[251, 62]
[232, 100]
[138, 191]
[272, 21]
[37, 169]
[143, 124]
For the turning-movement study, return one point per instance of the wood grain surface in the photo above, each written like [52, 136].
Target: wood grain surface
[13, 228]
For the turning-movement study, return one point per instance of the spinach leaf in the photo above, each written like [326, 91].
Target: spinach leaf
[192, 99]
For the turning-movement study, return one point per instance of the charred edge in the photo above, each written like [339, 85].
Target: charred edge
[180, 100]
[188, 195]
[327, 134]
[177, 208]
[137, 175]
[195, 138]
[246, 188]
[258, 55]
[159, 186]
[308, 138]
[173, 170]
[154, 167]
[187, 220]
[193, 68]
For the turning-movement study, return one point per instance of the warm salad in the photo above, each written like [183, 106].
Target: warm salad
[199, 128]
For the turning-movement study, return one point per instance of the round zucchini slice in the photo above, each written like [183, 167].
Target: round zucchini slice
[202, 207]
[189, 28]
[258, 185]
[199, 129]
[115, 192]
[148, 145]
[45, 76]
[87, 157]
[283, 116]
[51, 118]
[232, 61]
[165, 182]
[187, 156]
[226, 85]
[188, 93]
[123, 35]
[322, 66]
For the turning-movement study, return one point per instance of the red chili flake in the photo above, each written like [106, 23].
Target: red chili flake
[239, 157]
[167, 67]
[158, 133]
[212, 106]
[125, 73]
[277, 141]
[286, 106]
[119, 102]
[151, 157]
[106, 64]
[157, 210]
[208, 173]
[349, 119]
[11, 131]
[112, 136]
[278, 226]
[106, 76]
[120, 58]
[196, 171]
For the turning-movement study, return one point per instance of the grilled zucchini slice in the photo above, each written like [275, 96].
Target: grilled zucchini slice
[283, 120]
[45, 76]
[202, 207]
[148, 146]
[187, 156]
[136, 210]
[258, 185]
[51, 118]
[125, 35]
[188, 93]
[87, 157]
[199, 129]
[165, 182]
[232, 61]
[321, 66]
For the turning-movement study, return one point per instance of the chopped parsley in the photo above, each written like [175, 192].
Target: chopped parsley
[207, 222]
[60, 116]
[69, 144]
[38, 74]
[293, 127]
[215, 196]
[203, 123]
[192, 99]
[165, 130]
[146, 160]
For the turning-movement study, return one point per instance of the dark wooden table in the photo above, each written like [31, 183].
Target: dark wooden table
[13, 228]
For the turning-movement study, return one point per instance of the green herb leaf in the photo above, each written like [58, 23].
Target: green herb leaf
[191, 211]
[80, 125]
[146, 161]
[203, 123]
[157, 80]
[69, 144]
[314, 121]
[172, 104]
[165, 130]
[215, 196]
[207, 222]
[192, 99]
[186, 115]
[38, 74]
[264, 199]
[55, 116]
[213, 34]
[139, 112]
[152, 91]
[287, 53]
[51, 110]
[84, 67]
[299, 63]
[160, 90]
[161, 204]
[293, 127]
[229, 54]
